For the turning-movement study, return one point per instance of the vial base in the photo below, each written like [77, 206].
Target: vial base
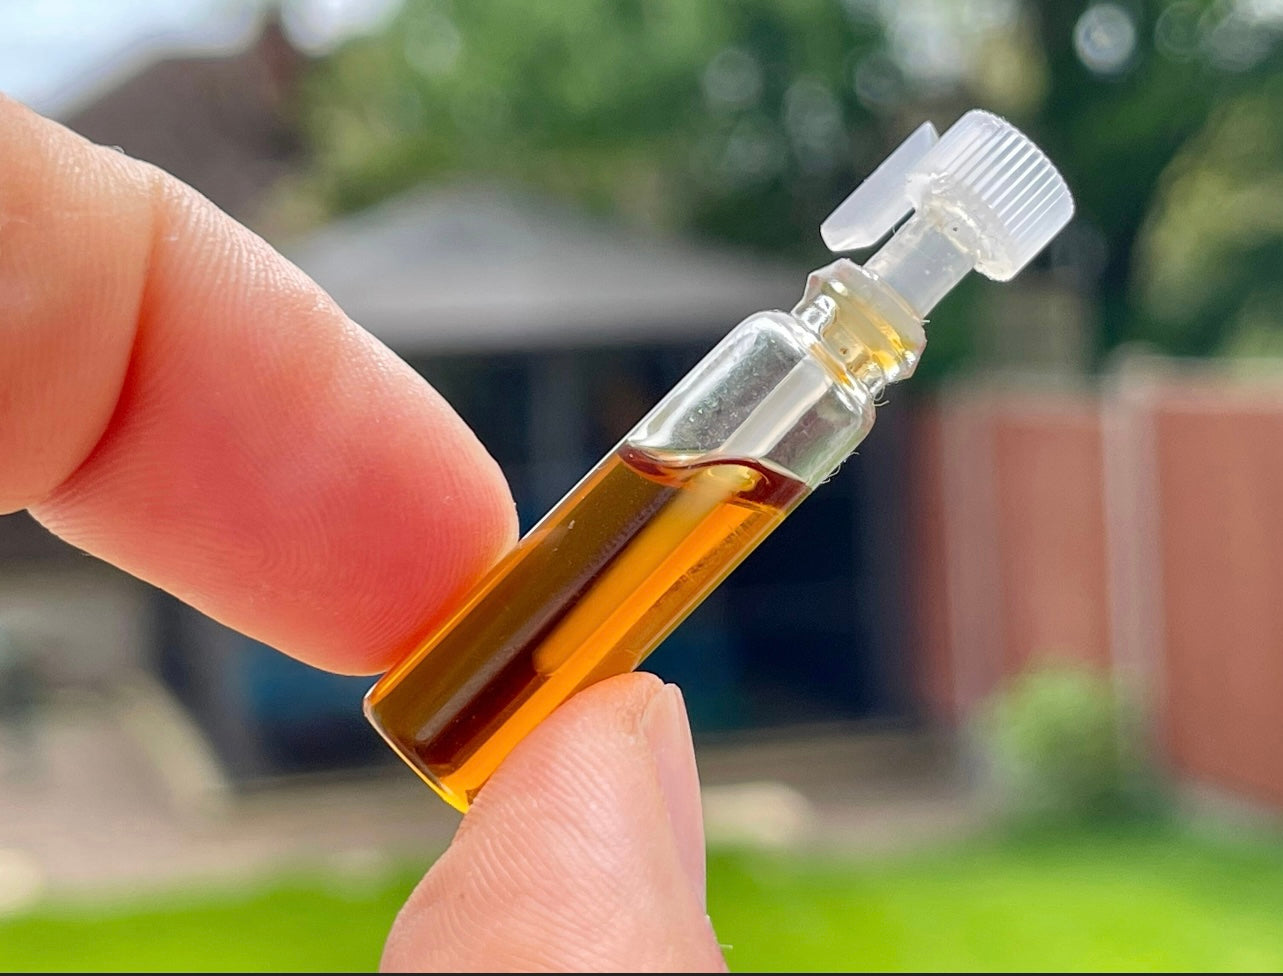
[587, 594]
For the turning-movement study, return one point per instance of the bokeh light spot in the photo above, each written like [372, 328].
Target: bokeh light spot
[1105, 38]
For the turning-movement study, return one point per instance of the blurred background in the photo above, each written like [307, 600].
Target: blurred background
[1002, 694]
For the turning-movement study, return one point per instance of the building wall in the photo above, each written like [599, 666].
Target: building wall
[82, 623]
[928, 604]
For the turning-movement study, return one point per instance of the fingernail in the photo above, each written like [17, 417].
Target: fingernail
[668, 732]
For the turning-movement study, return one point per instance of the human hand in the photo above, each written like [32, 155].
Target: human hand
[179, 400]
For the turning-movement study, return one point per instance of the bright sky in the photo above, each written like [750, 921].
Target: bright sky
[54, 53]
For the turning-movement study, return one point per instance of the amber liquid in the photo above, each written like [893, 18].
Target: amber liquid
[587, 594]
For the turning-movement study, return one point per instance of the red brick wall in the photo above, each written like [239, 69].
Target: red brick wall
[1139, 528]
[1219, 478]
[1050, 531]
[1010, 530]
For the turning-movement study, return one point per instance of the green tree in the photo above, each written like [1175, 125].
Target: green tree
[1150, 149]
[1211, 250]
[732, 118]
[746, 120]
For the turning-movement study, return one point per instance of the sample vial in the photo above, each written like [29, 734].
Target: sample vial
[765, 417]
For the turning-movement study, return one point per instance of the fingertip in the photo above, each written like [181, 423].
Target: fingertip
[668, 733]
[196, 411]
[570, 857]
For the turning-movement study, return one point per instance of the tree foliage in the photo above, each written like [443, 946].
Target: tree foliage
[746, 120]
[731, 118]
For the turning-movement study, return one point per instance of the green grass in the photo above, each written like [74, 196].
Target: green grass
[302, 922]
[1154, 898]
[1140, 899]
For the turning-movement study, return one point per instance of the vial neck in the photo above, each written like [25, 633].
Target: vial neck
[862, 324]
[920, 263]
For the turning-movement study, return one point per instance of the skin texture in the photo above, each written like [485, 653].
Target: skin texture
[179, 400]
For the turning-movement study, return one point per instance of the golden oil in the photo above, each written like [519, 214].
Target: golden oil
[586, 594]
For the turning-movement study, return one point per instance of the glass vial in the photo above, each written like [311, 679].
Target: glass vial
[765, 417]
[610, 571]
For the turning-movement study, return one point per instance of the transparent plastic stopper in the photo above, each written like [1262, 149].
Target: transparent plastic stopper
[880, 202]
[983, 197]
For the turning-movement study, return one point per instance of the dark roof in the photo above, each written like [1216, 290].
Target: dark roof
[219, 123]
[474, 267]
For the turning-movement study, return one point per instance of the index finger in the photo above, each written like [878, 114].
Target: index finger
[179, 400]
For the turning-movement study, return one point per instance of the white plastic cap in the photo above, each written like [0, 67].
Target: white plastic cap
[989, 173]
[983, 183]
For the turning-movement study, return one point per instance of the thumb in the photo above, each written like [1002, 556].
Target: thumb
[585, 851]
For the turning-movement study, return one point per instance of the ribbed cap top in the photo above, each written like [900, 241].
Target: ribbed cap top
[990, 174]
